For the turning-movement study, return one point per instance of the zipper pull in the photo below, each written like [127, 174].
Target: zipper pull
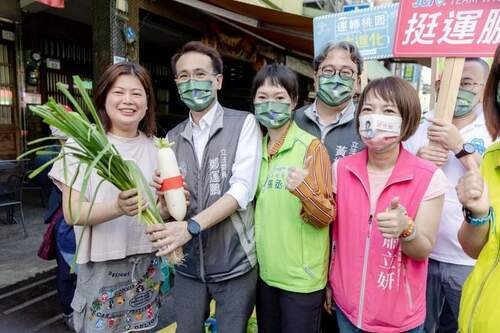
[370, 225]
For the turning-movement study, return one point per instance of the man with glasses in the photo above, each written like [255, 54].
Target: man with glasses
[331, 117]
[219, 152]
[466, 135]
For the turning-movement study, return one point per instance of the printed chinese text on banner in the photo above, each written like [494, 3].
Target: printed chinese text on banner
[53, 3]
[447, 28]
[372, 30]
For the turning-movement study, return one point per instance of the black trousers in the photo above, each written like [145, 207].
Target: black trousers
[280, 311]
[65, 283]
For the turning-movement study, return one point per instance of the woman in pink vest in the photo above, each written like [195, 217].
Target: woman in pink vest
[389, 206]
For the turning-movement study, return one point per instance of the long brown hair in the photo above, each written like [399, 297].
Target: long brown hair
[106, 81]
[490, 105]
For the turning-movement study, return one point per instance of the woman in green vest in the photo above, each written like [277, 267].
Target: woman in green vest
[294, 206]
[479, 193]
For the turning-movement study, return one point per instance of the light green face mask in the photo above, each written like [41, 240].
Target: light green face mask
[464, 104]
[197, 95]
[272, 114]
[334, 90]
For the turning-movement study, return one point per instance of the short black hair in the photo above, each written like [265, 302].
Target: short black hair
[351, 48]
[483, 63]
[279, 75]
[198, 47]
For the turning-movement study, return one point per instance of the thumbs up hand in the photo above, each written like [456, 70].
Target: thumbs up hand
[393, 221]
[297, 175]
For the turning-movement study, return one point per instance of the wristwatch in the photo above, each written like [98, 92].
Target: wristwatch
[467, 149]
[193, 227]
[476, 221]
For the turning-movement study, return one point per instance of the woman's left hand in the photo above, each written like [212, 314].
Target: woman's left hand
[297, 175]
[393, 221]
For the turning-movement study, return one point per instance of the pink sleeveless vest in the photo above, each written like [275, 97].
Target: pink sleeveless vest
[374, 284]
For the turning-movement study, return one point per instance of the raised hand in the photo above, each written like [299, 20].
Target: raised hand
[297, 175]
[393, 221]
[473, 193]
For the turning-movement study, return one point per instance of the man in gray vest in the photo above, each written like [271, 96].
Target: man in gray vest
[337, 71]
[219, 152]
[331, 117]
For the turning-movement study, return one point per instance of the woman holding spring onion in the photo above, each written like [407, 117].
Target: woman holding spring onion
[294, 206]
[118, 274]
[389, 206]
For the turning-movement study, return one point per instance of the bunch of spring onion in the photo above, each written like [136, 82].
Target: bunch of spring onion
[93, 152]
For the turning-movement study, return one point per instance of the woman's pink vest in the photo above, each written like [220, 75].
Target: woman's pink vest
[374, 284]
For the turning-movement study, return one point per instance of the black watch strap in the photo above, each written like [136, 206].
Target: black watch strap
[467, 149]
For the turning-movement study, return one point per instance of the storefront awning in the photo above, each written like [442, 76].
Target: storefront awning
[284, 30]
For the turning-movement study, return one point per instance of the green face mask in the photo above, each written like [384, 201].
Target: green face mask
[335, 90]
[272, 114]
[464, 104]
[197, 95]
[498, 94]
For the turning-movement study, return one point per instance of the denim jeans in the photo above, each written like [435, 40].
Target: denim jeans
[444, 284]
[345, 326]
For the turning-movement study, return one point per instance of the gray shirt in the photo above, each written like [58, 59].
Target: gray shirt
[341, 137]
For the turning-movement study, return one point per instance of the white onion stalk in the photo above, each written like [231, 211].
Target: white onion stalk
[169, 169]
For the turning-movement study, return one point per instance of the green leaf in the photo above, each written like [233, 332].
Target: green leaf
[88, 102]
[34, 150]
[42, 140]
[70, 97]
[142, 186]
[41, 168]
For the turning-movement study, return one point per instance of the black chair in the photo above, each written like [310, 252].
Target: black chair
[39, 184]
[11, 189]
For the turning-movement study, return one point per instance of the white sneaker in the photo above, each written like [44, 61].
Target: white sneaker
[68, 321]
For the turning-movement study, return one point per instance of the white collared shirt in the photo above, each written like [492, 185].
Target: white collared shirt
[447, 248]
[201, 131]
[246, 167]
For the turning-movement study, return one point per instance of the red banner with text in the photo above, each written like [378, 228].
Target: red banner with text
[52, 3]
[447, 28]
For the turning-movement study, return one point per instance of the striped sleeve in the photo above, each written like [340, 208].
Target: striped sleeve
[316, 191]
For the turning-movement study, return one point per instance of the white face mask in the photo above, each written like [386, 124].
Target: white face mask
[379, 131]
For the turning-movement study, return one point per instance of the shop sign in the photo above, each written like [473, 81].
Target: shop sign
[8, 35]
[32, 98]
[372, 30]
[53, 63]
[447, 28]
[355, 6]
[118, 59]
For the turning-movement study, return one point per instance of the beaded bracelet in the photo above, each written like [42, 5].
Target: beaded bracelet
[411, 232]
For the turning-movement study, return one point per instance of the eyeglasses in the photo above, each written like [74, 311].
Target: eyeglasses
[344, 73]
[197, 75]
[469, 84]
